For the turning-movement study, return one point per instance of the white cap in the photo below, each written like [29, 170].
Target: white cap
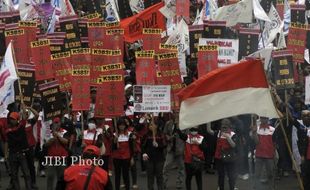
[128, 86]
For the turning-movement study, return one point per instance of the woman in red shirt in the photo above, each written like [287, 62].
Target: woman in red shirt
[226, 142]
[122, 153]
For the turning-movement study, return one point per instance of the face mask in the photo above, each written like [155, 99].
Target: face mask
[194, 132]
[91, 126]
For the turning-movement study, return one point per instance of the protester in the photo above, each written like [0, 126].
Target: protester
[225, 153]
[175, 151]
[136, 150]
[16, 146]
[265, 152]
[86, 174]
[303, 131]
[122, 153]
[57, 148]
[194, 157]
[32, 117]
[153, 146]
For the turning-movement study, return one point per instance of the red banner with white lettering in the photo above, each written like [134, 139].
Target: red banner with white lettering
[151, 38]
[207, 59]
[19, 41]
[62, 70]
[41, 57]
[110, 96]
[81, 59]
[145, 68]
[297, 41]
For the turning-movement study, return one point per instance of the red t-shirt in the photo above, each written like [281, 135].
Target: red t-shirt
[76, 175]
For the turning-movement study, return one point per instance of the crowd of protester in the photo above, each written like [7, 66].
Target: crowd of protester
[239, 147]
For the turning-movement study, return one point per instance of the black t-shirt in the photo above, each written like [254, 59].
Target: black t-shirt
[17, 139]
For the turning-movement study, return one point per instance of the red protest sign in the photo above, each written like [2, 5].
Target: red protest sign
[114, 39]
[207, 59]
[30, 29]
[18, 38]
[62, 70]
[297, 41]
[80, 87]
[169, 74]
[96, 34]
[41, 57]
[151, 38]
[110, 96]
[182, 9]
[145, 68]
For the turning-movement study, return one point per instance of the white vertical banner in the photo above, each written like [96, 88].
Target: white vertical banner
[307, 90]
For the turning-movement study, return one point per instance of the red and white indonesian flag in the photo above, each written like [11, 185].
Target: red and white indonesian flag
[238, 89]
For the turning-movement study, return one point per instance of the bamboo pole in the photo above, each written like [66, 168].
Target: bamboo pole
[18, 80]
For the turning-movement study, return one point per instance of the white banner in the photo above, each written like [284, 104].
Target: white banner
[152, 98]
[240, 12]
[227, 52]
[307, 91]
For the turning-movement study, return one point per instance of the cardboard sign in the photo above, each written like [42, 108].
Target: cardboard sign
[30, 29]
[154, 98]
[80, 88]
[40, 51]
[69, 24]
[151, 38]
[96, 34]
[145, 68]
[26, 73]
[297, 41]
[182, 9]
[207, 59]
[19, 40]
[298, 13]
[228, 50]
[248, 42]
[215, 29]
[110, 96]
[114, 39]
[195, 33]
[283, 68]
[62, 70]
[51, 100]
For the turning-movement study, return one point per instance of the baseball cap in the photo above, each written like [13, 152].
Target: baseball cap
[14, 115]
[92, 149]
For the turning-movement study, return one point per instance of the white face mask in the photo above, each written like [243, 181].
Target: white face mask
[194, 132]
[91, 126]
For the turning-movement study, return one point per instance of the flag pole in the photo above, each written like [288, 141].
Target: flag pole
[300, 183]
[18, 80]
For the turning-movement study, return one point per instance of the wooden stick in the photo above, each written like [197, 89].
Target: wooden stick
[18, 80]
[301, 186]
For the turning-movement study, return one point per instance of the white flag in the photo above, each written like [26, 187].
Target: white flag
[281, 40]
[259, 12]
[240, 12]
[272, 28]
[8, 76]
